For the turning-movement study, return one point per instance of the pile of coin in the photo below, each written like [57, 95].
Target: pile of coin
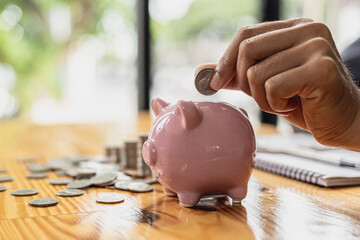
[83, 172]
[130, 153]
[113, 152]
[142, 168]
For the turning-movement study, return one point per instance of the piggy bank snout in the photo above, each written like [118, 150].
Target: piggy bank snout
[149, 153]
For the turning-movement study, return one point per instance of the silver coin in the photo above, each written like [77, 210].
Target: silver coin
[60, 173]
[70, 192]
[123, 177]
[140, 187]
[134, 174]
[59, 163]
[103, 178]
[107, 184]
[3, 188]
[122, 185]
[76, 159]
[43, 202]
[77, 184]
[83, 172]
[151, 181]
[110, 198]
[3, 170]
[38, 168]
[60, 181]
[37, 175]
[24, 192]
[6, 178]
[202, 81]
[72, 172]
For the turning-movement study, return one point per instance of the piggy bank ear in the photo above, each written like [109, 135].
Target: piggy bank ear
[158, 105]
[190, 114]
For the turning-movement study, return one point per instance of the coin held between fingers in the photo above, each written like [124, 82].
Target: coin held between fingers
[202, 81]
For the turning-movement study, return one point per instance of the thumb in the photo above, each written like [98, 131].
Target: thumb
[206, 65]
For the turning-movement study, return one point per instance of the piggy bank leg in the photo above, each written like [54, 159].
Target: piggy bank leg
[169, 192]
[237, 193]
[189, 199]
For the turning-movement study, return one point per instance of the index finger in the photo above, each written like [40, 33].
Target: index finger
[226, 67]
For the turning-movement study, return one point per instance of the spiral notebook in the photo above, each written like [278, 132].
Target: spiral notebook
[307, 170]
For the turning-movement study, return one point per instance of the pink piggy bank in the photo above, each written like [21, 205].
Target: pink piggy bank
[197, 149]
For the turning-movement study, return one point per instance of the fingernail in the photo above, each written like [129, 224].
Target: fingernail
[215, 82]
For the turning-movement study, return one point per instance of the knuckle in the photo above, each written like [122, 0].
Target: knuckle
[244, 32]
[252, 74]
[303, 20]
[271, 89]
[328, 64]
[320, 29]
[245, 47]
[320, 44]
[224, 61]
[329, 70]
[272, 95]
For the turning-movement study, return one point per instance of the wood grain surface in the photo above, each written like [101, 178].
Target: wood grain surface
[275, 207]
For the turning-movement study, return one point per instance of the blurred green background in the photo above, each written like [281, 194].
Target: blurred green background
[75, 61]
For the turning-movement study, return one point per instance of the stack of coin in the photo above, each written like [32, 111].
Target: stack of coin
[130, 154]
[113, 152]
[142, 168]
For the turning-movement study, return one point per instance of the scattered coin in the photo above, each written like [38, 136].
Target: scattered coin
[151, 181]
[107, 184]
[70, 192]
[110, 198]
[38, 168]
[140, 187]
[104, 178]
[72, 172]
[24, 192]
[122, 185]
[6, 178]
[85, 173]
[123, 177]
[77, 184]
[3, 170]
[60, 181]
[133, 174]
[37, 175]
[202, 81]
[59, 163]
[60, 173]
[3, 188]
[43, 202]
[26, 159]
[77, 159]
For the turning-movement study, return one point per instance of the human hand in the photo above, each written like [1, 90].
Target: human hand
[292, 68]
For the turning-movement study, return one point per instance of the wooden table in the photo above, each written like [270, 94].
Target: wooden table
[275, 207]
